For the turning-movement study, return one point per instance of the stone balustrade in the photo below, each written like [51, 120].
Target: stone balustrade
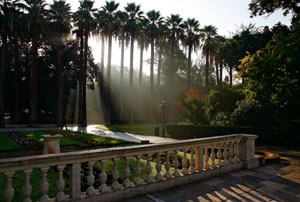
[201, 158]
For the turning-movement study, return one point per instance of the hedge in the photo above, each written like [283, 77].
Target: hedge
[272, 136]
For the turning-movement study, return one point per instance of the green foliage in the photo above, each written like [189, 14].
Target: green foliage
[192, 107]
[6, 143]
[267, 135]
[273, 78]
[220, 103]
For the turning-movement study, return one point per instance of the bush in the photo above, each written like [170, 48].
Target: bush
[272, 136]
[192, 107]
[220, 103]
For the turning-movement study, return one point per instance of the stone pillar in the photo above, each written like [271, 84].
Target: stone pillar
[247, 151]
[51, 144]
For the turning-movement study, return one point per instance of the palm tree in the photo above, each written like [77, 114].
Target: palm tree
[37, 18]
[8, 13]
[153, 31]
[175, 26]
[219, 43]
[134, 16]
[60, 25]
[110, 18]
[88, 22]
[208, 34]
[160, 44]
[192, 41]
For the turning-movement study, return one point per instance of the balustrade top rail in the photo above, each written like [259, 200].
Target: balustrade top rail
[98, 154]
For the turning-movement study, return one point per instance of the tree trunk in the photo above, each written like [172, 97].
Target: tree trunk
[33, 81]
[109, 60]
[217, 71]
[141, 62]
[84, 120]
[60, 87]
[230, 76]
[131, 61]
[16, 118]
[221, 73]
[172, 64]
[122, 76]
[189, 67]
[80, 82]
[152, 67]
[2, 77]
[206, 71]
[159, 67]
[102, 55]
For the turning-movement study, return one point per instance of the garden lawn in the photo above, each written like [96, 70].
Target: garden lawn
[6, 143]
[37, 135]
[140, 129]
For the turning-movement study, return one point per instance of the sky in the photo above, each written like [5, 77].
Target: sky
[226, 15]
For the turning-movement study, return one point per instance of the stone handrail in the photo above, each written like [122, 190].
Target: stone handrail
[202, 158]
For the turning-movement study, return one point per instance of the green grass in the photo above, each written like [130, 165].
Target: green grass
[141, 129]
[6, 143]
[37, 135]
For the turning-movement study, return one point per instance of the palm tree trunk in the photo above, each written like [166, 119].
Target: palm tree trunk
[84, 120]
[221, 73]
[80, 82]
[217, 71]
[102, 55]
[122, 76]
[109, 60]
[131, 61]
[141, 62]
[2, 77]
[60, 87]
[16, 113]
[33, 82]
[189, 67]
[152, 66]
[206, 71]
[171, 70]
[230, 76]
[159, 67]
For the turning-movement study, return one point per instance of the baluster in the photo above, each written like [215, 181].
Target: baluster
[60, 184]
[231, 160]
[225, 154]
[184, 170]
[138, 180]
[236, 151]
[91, 179]
[192, 161]
[9, 190]
[168, 166]
[212, 157]
[219, 156]
[158, 176]
[44, 185]
[148, 178]
[27, 186]
[205, 158]
[176, 164]
[127, 182]
[103, 177]
[115, 174]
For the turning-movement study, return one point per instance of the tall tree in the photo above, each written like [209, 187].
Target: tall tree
[60, 25]
[155, 20]
[192, 41]
[208, 34]
[37, 19]
[134, 16]
[143, 43]
[160, 44]
[175, 27]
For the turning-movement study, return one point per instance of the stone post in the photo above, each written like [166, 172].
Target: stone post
[247, 151]
[51, 144]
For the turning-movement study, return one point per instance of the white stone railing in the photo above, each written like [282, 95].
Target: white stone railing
[202, 158]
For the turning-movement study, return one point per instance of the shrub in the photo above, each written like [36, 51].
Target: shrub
[192, 107]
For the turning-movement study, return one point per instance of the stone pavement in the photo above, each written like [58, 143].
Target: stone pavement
[260, 184]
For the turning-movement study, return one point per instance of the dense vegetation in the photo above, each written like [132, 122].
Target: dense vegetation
[47, 65]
